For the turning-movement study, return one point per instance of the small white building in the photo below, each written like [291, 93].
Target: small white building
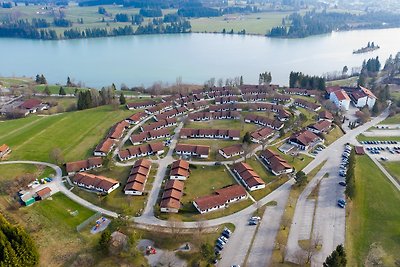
[341, 99]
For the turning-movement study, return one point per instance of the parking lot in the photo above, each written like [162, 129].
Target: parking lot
[383, 150]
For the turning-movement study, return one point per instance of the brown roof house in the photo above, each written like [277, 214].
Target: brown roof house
[261, 134]
[250, 179]
[192, 150]
[95, 183]
[220, 199]
[137, 178]
[304, 139]
[325, 115]
[275, 163]
[104, 147]
[4, 150]
[179, 170]
[231, 151]
[43, 193]
[83, 165]
[171, 197]
[320, 127]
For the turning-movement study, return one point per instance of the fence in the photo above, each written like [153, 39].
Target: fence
[92, 218]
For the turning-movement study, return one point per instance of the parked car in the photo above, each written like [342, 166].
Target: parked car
[223, 238]
[342, 183]
[253, 222]
[219, 247]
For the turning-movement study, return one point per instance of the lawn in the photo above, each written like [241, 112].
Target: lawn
[11, 171]
[258, 23]
[362, 137]
[393, 167]
[298, 161]
[75, 133]
[117, 201]
[264, 174]
[333, 135]
[352, 81]
[214, 145]
[392, 120]
[204, 180]
[223, 124]
[52, 227]
[373, 217]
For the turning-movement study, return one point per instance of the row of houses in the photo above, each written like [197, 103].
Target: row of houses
[306, 104]
[138, 175]
[141, 151]
[209, 133]
[257, 89]
[248, 177]
[264, 121]
[301, 92]
[179, 170]
[83, 165]
[192, 150]
[171, 197]
[141, 104]
[226, 99]
[159, 108]
[261, 134]
[159, 124]
[23, 107]
[221, 115]
[170, 113]
[142, 137]
[275, 163]
[231, 151]
[221, 198]
[95, 183]
[173, 189]
[107, 144]
[136, 118]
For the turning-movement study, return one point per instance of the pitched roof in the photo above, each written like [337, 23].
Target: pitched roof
[98, 181]
[43, 192]
[83, 164]
[341, 95]
[304, 137]
[325, 115]
[321, 125]
[105, 146]
[4, 148]
[230, 150]
[220, 197]
[31, 103]
[197, 149]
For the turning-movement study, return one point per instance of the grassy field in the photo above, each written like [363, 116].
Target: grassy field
[75, 133]
[352, 81]
[223, 124]
[392, 120]
[258, 23]
[362, 137]
[393, 167]
[117, 201]
[215, 145]
[298, 162]
[373, 217]
[333, 135]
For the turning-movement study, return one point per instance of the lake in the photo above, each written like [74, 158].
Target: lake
[143, 60]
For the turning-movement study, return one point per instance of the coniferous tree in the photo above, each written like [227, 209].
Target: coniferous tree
[47, 90]
[62, 91]
[337, 258]
[122, 99]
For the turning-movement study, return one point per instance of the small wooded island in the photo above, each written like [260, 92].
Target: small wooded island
[368, 48]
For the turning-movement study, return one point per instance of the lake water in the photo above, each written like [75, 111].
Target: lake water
[142, 60]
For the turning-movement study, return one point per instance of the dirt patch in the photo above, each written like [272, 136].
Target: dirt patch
[376, 256]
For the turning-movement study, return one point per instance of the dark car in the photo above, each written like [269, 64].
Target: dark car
[342, 183]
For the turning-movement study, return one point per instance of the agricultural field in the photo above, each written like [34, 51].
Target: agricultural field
[75, 133]
[373, 217]
[393, 167]
[258, 24]
[352, 81]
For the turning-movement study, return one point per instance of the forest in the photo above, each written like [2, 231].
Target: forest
[313, 23]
